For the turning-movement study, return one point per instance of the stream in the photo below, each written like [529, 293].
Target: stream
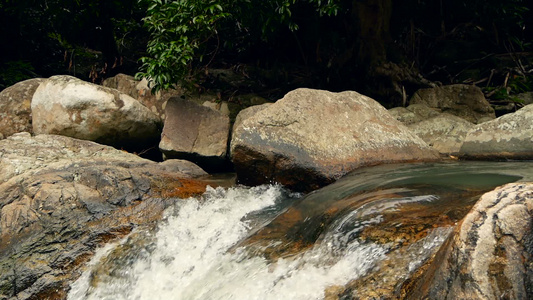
[363, 235]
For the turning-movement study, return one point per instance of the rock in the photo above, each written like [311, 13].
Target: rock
[142, 92]
[196, 133]
[445, 133]
[182, 166]
[62, 198]
[241, 102]
[221, 106]
[491, 254]
[68, 106]
[508, 137]
[248, 112]
[15, 107]
[311, 138]
[465, 101]
[123, 83]
[526, 98]
[414, 113]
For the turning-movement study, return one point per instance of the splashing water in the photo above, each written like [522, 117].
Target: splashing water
[208, 248]
[190, 259]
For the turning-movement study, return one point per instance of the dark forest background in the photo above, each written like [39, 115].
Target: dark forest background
[383, 48]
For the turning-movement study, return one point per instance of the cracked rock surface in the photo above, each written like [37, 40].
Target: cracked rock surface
[61, 198]
[491, 254]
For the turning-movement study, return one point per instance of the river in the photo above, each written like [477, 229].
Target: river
[368, 231]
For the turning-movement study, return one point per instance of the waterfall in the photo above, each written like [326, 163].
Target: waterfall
[189, 257]
[369, 230]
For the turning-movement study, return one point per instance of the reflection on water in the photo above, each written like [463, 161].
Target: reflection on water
[365, 233]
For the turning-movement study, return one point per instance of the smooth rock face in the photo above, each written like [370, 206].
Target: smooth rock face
[15, 107]
[445, 133]
[68, 106]
[141, 91]
[508, 137]
[465, 101]
[196, 133]
[491, 254]
[311, 138]
[61, 198]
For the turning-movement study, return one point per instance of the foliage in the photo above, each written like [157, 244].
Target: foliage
[46, 33]
[177, 29]
[180, 28]
[15, 71]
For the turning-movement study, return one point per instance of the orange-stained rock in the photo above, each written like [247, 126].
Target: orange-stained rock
[61, 198]
[489, 256]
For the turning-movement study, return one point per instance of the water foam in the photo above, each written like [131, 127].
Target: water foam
[190, 257]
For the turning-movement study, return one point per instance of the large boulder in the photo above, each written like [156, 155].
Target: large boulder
[311, 138]
[445, 133]
[196, 133]
[491, 254]
[141, 91]
[68, 106]
[15, 107]
[61, 198]
[465, 101]
[508, 137]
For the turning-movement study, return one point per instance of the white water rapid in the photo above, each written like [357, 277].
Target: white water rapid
[189, 258]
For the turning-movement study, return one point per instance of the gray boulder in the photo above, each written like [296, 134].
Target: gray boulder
[445, 133]
[248, 112]
[413, 113]
[68, 106]
[311, 138]
[508, 137]
[62, 198]
[196, 133]
[491, 254]
[465, 101]
[15, 107]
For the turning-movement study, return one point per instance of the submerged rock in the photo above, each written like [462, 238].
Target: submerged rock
[465, 101]
[491, 254]
[15, 107]
[68, 106]
[61, 198]
[311, 138]
[508, 137]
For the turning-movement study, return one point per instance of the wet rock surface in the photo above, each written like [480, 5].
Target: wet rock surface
[61, 198]
[311, 138]
[490, 254]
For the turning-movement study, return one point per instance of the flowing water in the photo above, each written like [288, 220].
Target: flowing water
[376, 224]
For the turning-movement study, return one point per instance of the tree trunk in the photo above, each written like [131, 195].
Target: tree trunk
[372, 32]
